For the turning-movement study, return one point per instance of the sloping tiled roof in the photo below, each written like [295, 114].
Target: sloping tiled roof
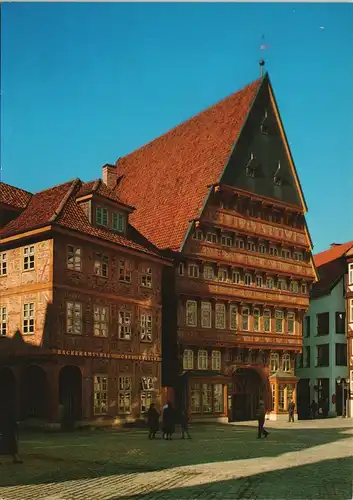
[168, 179]
[331, 266]
[98, 187]
[57, 205]
[13, 196]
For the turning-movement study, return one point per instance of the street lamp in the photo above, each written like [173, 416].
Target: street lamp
[343, 383]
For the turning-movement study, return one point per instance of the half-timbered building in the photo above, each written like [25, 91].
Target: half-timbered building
[221, 196]
[349, 314]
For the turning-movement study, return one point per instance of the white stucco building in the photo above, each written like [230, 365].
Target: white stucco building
[324, 359]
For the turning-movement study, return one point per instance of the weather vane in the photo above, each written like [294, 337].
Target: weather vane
[263, 46]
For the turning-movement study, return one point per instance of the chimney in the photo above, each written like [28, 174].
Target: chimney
[335, 245]
[109, 176]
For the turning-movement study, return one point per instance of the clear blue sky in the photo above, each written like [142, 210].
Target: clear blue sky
[83, 84]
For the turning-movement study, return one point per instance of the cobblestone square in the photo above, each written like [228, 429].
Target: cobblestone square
[304, 460]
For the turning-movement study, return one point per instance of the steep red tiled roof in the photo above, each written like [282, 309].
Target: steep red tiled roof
[166, 180]
[13, 196]
[97, 186]
[41, 210]
[331, 266]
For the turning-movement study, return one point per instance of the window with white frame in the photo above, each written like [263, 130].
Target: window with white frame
[118, 222]
[216, 360]
[281, 284]
[247, 279]
[273, 393]
[279, 321]
[3, 264]
[193, 271]
[74, 318]
[245, 318]
[146, 327]
[220, 314]
[226, 240]
[125, 271]
[188, 359]
[74, 258]
[259, 281]
[101, 321]
[239, 243]
[206, 315]
[181, 268]
[274, 251]
[233, 317]
[102, 216]
[294, 287]
[236, 277]
[251, 246]
[297, 256]
[262, 248]
[256, 317]
[195, 398]
[198, 235]
[291, 322]
[222, 274]
[303, 288]
[202, 359]
[101, 265]
[124, 326]
[3, 321]
[146, 277]
[286, 364]
[208, 273]
[124, 396]
[350, 273]
[211, 237]
[351, 311]
[269, 283]
[267, 320]
[28, 258]
[285, 254]
[146, 399]
[274, 361]
[100, 394]
[218, 401]
[191, 313]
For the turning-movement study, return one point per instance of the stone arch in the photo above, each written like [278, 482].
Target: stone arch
[250, 385]
[8, 389]
[70, 391]
[35, 392]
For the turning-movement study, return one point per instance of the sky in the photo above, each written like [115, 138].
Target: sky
[85, 83]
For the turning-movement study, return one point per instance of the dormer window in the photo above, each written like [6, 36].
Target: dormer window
[264, 124]
[102, 216]
[250, 168]
[118, 222]
[198, 235]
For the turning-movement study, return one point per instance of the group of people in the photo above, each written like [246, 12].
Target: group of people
[169, 419]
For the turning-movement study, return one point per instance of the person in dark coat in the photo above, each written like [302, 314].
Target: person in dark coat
[168, 421]
[291, 408]
[314, 408]
[261, 413]
[184, 421]
[9, 436]
[153, 421]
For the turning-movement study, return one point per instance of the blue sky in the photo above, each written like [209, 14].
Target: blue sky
[83, 84]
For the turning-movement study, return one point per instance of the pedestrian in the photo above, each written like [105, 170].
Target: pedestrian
[314, 408]
[153, 421]
[261, 413]
[184, 421]
[291, 408]
[168, 421]
[9, 435]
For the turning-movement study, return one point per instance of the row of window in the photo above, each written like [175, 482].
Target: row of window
[230, 240]
[261, 320]
[221, 274]
[100, 394]
[74, 322]
[117, 219]
[323, 322]
[202, 360]
[322, 356]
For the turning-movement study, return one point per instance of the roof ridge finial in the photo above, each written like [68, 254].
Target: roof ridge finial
[262, 65]
[263, 46]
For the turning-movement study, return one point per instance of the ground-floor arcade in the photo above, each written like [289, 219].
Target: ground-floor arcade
[79, 388]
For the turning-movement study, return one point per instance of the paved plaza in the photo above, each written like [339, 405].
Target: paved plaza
[304, 460]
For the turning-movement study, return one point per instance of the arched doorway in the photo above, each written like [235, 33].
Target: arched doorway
[248, 388]
[70, 391]
[8, 389]
[35, 385]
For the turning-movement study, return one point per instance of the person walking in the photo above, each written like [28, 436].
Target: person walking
[291, 408]
[314, 408]
[184, 421]
[261, 413]
[9, 436]
[168, 421]
[153, 421]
